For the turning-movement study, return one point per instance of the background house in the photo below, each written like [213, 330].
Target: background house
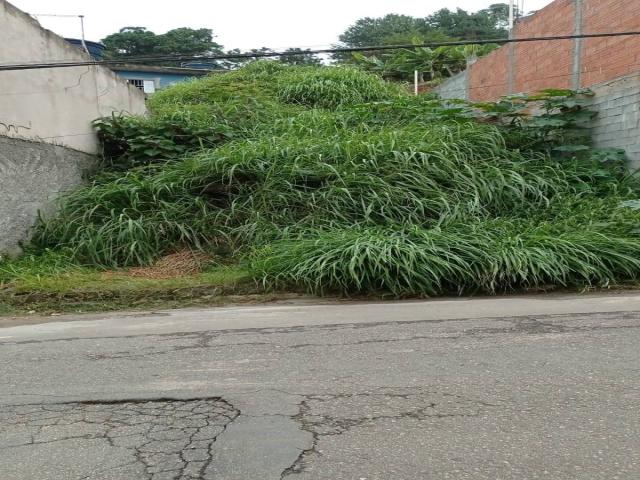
[147, 78]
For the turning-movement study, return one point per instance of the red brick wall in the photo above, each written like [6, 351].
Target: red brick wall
[607, 58]
[549, 64]
[488, 76]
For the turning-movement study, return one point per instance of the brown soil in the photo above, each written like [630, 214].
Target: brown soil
[175, 265]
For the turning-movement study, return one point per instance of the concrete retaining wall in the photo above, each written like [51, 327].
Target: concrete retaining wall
[33, 175]
[455, 87]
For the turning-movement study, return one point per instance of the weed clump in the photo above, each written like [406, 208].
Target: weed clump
[333, 180]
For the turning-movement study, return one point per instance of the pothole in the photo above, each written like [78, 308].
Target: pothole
[158, 439]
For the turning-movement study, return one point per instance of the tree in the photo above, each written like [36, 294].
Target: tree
[188, 41]
[138, 41]
[129, 42]
[298, 56]
[433, 64]
[237, 62]
[499, 14]
[444, 24]
[380, 31]
[483, 25]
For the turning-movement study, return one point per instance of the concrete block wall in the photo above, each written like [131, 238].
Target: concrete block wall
[455, 87]
[618, 122]
[33, 175]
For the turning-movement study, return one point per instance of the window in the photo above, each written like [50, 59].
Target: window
[147, 86]
[137, 83]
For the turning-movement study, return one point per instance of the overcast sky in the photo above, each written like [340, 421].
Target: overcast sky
[241, 24]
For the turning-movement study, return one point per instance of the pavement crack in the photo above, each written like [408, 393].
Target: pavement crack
[298, 465]
[163, 437]
[331, 414]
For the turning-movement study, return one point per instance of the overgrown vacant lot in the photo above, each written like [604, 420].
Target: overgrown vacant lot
[330, 180]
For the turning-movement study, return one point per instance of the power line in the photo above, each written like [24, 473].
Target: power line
[461, 90]
[54, 15]
[151, 59]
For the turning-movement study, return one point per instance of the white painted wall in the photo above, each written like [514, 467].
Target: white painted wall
[54, 105]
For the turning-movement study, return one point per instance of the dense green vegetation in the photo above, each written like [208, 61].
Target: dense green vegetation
[332, 180]
[432, 64]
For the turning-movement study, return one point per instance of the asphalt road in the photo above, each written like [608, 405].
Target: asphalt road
[544, 387]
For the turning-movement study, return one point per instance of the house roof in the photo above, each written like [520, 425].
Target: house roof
[133, 67]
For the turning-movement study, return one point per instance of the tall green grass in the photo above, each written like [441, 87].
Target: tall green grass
[334, 180]
[332, 87]
[258, 190]
[485, 256]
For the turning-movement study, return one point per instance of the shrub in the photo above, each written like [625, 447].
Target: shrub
[131, 141]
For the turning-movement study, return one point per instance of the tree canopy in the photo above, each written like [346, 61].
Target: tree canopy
[298, 56]
[138, 41]
[442, 26]
[393, 29]
[489, 23]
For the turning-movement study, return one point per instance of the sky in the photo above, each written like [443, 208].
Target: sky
[243, 24]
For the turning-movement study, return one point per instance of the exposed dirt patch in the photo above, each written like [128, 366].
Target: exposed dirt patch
[184, 263]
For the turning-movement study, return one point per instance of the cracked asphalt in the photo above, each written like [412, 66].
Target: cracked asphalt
[153, 440]
[515, 388]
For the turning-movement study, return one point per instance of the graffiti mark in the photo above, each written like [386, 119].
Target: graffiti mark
[8, 127]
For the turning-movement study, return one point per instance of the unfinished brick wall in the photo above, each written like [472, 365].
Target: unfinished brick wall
[541, 65]
[488, 76]
[603, 59]
[532, 66]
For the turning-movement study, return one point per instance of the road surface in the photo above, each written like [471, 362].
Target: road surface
[542, 387]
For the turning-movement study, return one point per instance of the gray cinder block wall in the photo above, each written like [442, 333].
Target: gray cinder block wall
[33, 176]
[455, 87]
[616, 102]
[617, 124]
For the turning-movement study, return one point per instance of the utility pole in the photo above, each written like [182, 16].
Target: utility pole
[511, 52]
[84, 43]
[81, 17]
[511, 16]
